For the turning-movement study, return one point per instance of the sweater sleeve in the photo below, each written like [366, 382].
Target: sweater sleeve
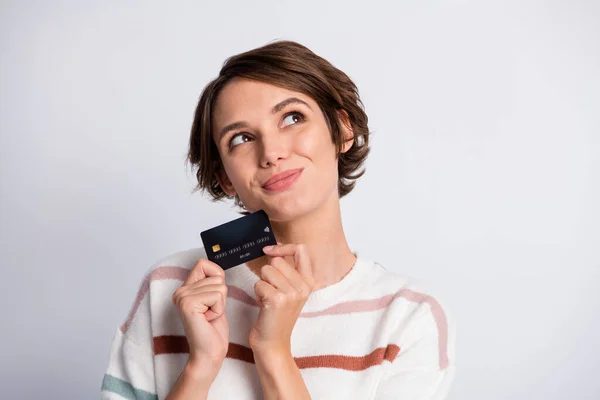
[130, 371]
[424, 367]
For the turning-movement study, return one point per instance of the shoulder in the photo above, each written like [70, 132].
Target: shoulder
[416, 309]
[410, 289]
[167, 271]
[185, 259]
[160, 280]
[177, 265]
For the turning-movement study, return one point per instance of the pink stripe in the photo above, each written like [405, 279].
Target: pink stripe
[160, 273]
[239, 294]
[439, 317]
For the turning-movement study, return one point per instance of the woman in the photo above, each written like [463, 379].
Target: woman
[281, 130]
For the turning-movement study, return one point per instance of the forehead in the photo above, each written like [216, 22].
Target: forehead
[243, 99]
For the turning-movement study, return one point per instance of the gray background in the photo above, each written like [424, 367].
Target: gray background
[484, 178]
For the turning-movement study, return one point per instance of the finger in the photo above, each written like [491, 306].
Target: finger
[292, 276]
[266, 294]
[196, 290]
[273, 275]
[211, 280]
[202, 303]
[202, 269]
[298, 251]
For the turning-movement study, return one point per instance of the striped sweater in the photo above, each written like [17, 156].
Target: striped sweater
[372, 335]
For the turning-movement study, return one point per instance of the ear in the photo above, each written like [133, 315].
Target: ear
[347, 132]
[224, 182]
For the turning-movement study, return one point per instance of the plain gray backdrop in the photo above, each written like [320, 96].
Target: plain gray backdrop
[483, 181]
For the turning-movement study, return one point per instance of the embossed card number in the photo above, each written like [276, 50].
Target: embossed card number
[238, 241]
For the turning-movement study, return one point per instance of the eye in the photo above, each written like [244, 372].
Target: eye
[293, 118]
[232, 143]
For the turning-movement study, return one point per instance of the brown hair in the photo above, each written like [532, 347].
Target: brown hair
[292, 66]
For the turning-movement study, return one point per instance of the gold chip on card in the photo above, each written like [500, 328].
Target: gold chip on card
[216, 248]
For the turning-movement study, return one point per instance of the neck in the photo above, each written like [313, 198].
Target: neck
[322, 233]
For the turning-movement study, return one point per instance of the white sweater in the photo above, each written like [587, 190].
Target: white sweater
[372, 335]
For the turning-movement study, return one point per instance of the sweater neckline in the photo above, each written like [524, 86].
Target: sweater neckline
[243, 277]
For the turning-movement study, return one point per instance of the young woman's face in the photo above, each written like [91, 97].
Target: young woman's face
[262, 130]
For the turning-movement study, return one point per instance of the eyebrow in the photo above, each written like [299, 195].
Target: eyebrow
[292, 100]
[276, 108]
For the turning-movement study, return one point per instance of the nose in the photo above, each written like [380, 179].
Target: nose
[274, 148]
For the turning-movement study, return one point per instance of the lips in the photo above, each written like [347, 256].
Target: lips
[280, 176]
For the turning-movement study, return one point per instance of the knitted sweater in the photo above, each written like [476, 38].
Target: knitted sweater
[372, 335]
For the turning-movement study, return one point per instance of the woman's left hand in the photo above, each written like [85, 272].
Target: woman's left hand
[281, 293]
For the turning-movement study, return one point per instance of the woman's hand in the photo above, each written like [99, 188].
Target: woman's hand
[282, 292]
[201, 302]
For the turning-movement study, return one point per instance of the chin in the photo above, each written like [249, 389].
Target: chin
[292, 204]
[286, 211]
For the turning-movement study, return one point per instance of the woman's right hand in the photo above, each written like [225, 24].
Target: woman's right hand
[201, 302]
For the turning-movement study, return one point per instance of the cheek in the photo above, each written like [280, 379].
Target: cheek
[232, 170]
[317, 145]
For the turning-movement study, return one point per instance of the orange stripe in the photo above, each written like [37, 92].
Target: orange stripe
[179, 344]
[350, 363]
[171, 344]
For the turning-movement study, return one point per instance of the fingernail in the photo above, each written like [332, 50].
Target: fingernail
[267, 248]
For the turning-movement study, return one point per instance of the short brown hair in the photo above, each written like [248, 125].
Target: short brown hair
[292, 66]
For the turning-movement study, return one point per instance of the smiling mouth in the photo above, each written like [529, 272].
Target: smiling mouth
[282, 184]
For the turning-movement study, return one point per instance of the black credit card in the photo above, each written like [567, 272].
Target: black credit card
[238, 241]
